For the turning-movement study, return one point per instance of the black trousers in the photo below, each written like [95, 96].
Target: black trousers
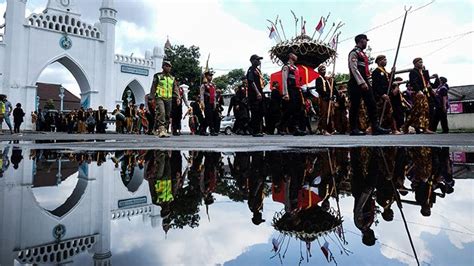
[440, 116]
[355, 95]
[176, 115]
[241, 119]
[432, 112]
[257, 111]
[150, 116]
[273, 121]
[16, 127]
[100, 127]
[210, 119]
[293, 111]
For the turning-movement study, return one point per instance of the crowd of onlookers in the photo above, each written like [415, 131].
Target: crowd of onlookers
[76, 121]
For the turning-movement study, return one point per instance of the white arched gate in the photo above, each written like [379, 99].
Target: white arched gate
[59, 34]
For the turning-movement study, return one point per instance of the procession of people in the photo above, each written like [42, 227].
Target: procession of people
[365, 104]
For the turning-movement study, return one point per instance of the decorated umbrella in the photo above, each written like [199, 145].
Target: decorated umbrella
[307, 224]
[310, 53]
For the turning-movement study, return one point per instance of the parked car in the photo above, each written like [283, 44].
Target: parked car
[227, 124]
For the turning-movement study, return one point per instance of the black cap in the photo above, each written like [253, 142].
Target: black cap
[360, 37]
[255, 57]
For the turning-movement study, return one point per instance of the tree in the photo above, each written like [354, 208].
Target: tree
[186, 69]
[266, 79]
[342, 77]
[228, 81]
[49, 105]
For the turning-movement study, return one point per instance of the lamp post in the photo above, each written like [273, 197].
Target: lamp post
[61, 95]
[37, 103]
[59, 175]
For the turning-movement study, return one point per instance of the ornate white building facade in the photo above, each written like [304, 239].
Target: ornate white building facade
[94, 197]
[58, 34]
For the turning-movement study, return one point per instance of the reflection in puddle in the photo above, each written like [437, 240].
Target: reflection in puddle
[268, 207]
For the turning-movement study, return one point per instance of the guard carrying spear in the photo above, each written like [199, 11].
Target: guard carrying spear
[380, 79]
[324, 88]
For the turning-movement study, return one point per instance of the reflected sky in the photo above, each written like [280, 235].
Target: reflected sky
[322, 206]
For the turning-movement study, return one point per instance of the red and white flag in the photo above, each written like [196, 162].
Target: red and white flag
[321, 25]
[327, 253]
[272, 33]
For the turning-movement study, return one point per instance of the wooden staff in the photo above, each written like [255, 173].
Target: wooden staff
[325, 21]
[332, 27]
[332, 80]
[283, 30]
[339, 25]
[403, 71]
[296, 23]
[399, 204]
[392, 73]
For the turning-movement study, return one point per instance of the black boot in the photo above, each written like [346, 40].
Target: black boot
[380, 131]
[357, 132]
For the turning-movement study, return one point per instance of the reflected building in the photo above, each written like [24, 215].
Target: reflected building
[53, 208]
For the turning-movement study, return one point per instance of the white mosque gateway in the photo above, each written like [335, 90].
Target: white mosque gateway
[67, 209]
[30, 44]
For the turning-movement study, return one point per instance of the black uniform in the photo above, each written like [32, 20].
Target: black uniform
[101, 116]
[359, 74]
[257, 108]
[274, 111]
[380, 83]
[239, 103]
[293, 114]
[324, 90]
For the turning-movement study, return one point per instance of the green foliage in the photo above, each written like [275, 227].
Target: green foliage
[227, 82]
[49, 105]
[186, 69]
[342, 77]
[266, 78]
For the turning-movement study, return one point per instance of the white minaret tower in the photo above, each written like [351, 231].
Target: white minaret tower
[108, 21]
[14, 38]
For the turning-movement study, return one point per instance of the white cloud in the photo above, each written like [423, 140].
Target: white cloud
[449, 217]
[222, 239]
[229, 41]
[58, 74]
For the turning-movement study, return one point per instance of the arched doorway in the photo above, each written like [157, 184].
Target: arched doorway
[57, 197]
[62, 78]
[134, 92]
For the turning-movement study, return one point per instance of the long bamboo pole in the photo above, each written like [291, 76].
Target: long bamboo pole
[392, 72]
[332, 81]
